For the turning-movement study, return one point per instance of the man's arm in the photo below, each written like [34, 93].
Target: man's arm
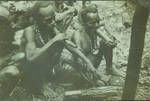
[102, 35]
[109, 41]
[32, 52]
[77, 52]
[90, 68]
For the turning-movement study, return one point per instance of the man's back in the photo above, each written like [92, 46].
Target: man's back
[6, 33]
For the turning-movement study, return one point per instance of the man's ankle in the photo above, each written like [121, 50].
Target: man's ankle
[114, 71]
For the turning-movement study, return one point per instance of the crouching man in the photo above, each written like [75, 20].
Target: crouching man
[86, 38]
[9, 72]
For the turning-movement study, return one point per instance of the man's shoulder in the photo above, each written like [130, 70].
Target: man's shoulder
[29, 29]
[4, 12]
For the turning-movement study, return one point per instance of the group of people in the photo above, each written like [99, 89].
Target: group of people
[55, 32]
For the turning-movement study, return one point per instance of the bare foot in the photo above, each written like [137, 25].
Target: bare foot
[104, 78]
[116, 72]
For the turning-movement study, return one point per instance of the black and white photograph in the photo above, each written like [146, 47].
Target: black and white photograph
[74, 50]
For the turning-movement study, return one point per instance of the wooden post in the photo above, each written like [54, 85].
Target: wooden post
[135, 52]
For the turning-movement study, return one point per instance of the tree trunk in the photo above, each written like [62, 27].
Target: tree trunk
[135, 52]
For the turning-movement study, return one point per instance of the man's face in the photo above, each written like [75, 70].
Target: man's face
[49, 21]
[47, 16]
[92, 20]
[87, 3]
[59, 1]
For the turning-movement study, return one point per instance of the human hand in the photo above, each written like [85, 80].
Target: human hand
[60, 37]
[111, 43]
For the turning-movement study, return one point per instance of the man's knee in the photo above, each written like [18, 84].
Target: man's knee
[8, 79]
[8, 73]
[10, 70]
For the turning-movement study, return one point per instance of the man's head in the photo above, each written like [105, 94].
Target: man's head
[45, 15]
[69, 2]
[89, 16]
[86, 2]
[59, 2]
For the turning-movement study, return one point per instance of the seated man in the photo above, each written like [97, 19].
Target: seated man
[86, 39]
[40, 56]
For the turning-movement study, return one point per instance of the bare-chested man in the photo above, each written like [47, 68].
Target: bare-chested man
[38, 48]
[86, 39]
[64, 16]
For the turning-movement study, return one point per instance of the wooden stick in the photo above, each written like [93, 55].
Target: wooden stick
[102, 92]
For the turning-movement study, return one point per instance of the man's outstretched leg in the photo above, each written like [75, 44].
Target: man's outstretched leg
[108, 54]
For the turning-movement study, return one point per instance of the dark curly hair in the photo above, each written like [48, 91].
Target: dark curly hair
[92, 8]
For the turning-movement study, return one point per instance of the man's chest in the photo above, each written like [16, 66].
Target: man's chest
[86, 42]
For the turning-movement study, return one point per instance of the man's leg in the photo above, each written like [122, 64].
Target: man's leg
[38, 73]
[108, 54]
[98, 58]
[8, 79]
[82, 68]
